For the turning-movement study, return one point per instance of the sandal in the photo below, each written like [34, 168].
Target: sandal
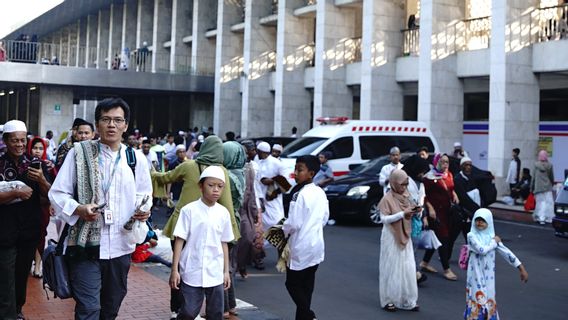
[449, 275]
[416, 308]
[427, 267]
[243, 273]
[390, 307]
[233, 312]
[422, 278]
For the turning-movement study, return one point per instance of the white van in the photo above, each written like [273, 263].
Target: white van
[352, 142]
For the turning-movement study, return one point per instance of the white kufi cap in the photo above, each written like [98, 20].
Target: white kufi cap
[213, 172]
[464, 160]
[457, 144]
[264, 147]
[200, 138]
[180, 147]
[277, 147]
[15, 126]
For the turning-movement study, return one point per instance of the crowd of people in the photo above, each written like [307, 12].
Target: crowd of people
[227, 198]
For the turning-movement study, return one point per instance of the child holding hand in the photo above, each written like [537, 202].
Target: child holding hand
[480, 286]
[200, 266]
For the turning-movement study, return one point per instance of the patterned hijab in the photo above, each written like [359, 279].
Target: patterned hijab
[211, 152]
[234, 161]
[436, 172]
[397, 200]
[483, 236]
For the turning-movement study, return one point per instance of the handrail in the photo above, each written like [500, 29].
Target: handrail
[477, 33]
[411, 41]
[550, 23]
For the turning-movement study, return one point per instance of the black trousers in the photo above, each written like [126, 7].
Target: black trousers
[15, 265]
[300, 286]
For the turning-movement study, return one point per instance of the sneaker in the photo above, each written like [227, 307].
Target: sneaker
[330, 222]
[173, 315]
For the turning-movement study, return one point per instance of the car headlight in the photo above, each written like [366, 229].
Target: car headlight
[359, 191]
[562, 210]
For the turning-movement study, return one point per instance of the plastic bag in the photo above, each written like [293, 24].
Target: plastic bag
[428, 240]
[464, 257]
[138, 233]
[416, 226]
[530, 203]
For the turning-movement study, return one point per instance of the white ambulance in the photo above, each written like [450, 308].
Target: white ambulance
[353, 142]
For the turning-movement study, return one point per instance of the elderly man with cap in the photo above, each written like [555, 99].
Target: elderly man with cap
[80, 131]
[269, 168]
[459, 152]
[467, 191]
[19, 218]
[276, 150]
[388, 168]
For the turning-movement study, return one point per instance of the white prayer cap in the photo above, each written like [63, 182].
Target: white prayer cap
[213, 172]
[200, 138]
[181, 133]
[15, 126]
[264, 147]
[277, 147]
[464, 160]
[180, 147]
[457, 144]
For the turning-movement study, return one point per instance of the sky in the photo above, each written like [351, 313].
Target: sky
[16, 13]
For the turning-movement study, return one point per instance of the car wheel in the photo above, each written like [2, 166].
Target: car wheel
[372, 213]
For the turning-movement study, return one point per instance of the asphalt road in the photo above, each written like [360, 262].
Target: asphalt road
[347, 281]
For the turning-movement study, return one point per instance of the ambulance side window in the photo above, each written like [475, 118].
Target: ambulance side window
[375, 146]
[341, 148]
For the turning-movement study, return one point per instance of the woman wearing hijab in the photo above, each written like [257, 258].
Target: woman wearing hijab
[480, 285]
[37, 149]
[439, 184]
[541, 186]
[234, 159]
[188, 172]
[397, 272]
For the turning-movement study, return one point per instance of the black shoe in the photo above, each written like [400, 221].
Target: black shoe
[423, 278]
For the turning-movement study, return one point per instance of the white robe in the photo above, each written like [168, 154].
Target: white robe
[274, 209]
[480, 284]
[397, 268]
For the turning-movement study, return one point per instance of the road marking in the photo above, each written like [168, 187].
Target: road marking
[540, 227]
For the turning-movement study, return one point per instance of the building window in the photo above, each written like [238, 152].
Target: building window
[476, 106]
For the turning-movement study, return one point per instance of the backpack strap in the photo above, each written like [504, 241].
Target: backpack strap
[131, 160]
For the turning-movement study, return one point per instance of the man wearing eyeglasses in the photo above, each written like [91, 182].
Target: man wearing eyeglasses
[97, 193]
[21, 184]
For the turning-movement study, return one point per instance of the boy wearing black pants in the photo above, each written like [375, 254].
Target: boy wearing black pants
[309, 212]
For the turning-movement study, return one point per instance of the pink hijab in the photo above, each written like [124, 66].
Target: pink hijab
[543, 156]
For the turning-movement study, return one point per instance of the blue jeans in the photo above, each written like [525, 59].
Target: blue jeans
[193, 299]
[98, 286]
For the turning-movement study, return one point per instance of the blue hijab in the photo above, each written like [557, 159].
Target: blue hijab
[483, 236]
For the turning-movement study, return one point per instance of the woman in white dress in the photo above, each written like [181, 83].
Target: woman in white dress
[480, 285]
[397, 269]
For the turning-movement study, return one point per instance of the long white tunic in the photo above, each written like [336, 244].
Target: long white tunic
[480, 285]
[270, 168]
[397, 268]
[385, 174]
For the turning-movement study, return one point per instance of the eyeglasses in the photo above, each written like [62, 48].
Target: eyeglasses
[117, 121]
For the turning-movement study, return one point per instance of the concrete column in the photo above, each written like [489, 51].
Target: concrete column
[332, 97]
[71, 29]
[201, 111]
[259, 60]
[103, 54]
[228, 68]
[182, 22]
[57, 121]
[91, 50]
[82, 42]
[203, 49]
[115, 32]
[160, 34]
[381, 95]
[514, 94]
[292, 102]
[440, 92]
[129, 22]
[144, 23]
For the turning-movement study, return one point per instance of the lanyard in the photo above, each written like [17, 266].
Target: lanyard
[106, 186]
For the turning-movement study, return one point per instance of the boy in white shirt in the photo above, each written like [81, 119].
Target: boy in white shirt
[200, 266]
[309, 212]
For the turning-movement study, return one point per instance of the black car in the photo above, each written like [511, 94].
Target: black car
[560, 220]
[358, 193]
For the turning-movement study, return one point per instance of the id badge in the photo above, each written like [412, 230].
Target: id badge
[109, 218]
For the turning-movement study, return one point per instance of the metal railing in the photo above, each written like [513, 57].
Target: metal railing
[345, 51]
[311, 2]
[477, 33]
[411, 42]
[262, 65]
[274, 6]
[92, 57]
[232, 70]
[551, 23]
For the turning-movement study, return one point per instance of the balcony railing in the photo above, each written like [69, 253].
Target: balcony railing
[411, 42]
[274, 6]
[311, 2]
[551, 23]
[477, 33]
[91, 57]
[262, 65]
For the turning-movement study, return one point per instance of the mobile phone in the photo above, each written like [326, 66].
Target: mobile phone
[100, 207]
[416, 208]
[35, 164]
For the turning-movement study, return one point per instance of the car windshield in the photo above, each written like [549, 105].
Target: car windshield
[302, 147]
[372, 167]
